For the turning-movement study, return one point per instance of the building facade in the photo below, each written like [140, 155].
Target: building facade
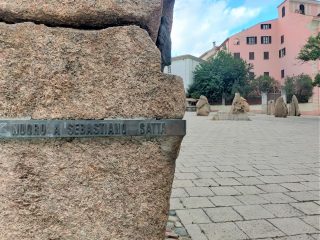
[184, 67]
[272, 47]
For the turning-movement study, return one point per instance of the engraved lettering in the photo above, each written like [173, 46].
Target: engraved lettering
[15, 130]
[43, 130]
[29, 130]
[70, 129]
[111, 129]
[36, 130]
[142, 131]
[77, 129]
[148, 128]
[22, 129]
[124, 129]
[57, 130]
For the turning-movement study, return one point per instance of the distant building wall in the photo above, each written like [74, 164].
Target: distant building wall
[272, 47]
[184, 67]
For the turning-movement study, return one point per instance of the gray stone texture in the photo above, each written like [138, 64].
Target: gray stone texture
[280, 109]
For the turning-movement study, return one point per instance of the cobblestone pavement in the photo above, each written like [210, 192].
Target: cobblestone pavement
[254, 179]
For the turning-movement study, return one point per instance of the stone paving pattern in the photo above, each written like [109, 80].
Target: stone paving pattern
[254, 179]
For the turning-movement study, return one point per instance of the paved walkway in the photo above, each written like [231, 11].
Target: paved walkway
[257, 179]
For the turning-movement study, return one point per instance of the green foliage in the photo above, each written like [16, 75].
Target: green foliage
[300, 85]
[316, 82]
[264, 84]
[221, 75]
[311, 51]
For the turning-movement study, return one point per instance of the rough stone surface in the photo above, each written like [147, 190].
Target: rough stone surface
[203, 107]
[281, 109]
[294, 107]
[239, 105]
[271, 105]
[85, 14]
[58, 73]
[86, 189]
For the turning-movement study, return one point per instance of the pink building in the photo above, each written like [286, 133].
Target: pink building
[272, 47]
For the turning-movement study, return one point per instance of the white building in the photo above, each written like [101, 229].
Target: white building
[184, 67]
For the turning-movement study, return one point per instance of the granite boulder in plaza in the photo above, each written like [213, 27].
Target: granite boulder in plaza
[84, 188]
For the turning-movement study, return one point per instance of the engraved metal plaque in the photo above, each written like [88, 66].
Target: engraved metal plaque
[10, 129]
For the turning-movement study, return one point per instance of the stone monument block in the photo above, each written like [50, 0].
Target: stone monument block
[203, 107]
[85, 14]
[294, 107]
[280, 109]
[86, 186]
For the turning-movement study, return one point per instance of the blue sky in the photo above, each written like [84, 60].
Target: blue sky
[197, 23]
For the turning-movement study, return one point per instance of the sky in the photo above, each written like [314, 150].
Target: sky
[198, 23]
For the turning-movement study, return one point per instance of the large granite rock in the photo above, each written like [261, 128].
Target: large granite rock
[81, 189]
[58, 73]
[239, 105]
[271, 106]
[85, 14]
[294, 107]
[281, 109]
[203, 107]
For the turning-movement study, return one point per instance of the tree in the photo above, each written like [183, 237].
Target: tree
[222, 75]
[264, 84]
[316, 82]
[300, 85]
[311, 51]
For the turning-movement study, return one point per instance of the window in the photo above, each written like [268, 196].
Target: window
[283, 11]
[266, 74]
[282, 52]
[236, 55]
[251, 40]
[282, 39]
[237, 41]
[301, 8]
[265, 26]
[251, 55]
[266, 55]
[266, 40]
[282, 73]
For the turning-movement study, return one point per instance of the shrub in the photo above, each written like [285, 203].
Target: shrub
[301, 86]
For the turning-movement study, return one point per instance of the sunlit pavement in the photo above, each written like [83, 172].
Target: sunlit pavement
[254, 179]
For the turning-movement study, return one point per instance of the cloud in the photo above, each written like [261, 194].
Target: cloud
[197, 23]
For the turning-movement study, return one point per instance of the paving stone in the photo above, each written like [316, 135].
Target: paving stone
[248, 173]
[248, 189]
[178, 192]
[292, 226]
[222, 214]
[207, 175]
[267, 172]
[303, 196]
[225, 191]
[204, 182]
[249, 180]
[181, 231]
[296, 237]
[309, 177]
[225, 201]
[263, 167]
[314, 221]
[272, 188]
[223, 231]
[193, 216]
[308, 208]
[277, 198]
[316, 236]
[208, 169]
[282, 210]
[187, 169]
[312, 185]
[259, 229]
[182, 183]
[227, 174]
[196, 202]
[252, 199]
[226, 168]
[227, 181]
[185, 176]
[280, 179]
[244, 167]
[199, 191]
[296, 187]
[175, 203]
[195, 232]
[251, 212]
